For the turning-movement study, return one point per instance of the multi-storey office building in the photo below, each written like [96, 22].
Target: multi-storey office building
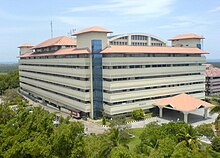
[96, 77]
[212, 79]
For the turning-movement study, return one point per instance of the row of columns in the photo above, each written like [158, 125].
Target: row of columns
[185, 118]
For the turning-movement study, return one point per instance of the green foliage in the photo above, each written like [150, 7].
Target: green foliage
[121, 152]
[118, 121]
[206, 130]
[32, 134]
[164, 140]
[104, 121]
[11, 97]
[216, 144]
[9, 81]
[138, 114]
[6, 114]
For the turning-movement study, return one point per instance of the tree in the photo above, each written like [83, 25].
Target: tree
[206, 130]
[190, 137]
[32, 134]
[67, 140]
[115, 140]
[6, 114]
[104, 121]
[121, 152]
[138, 114]
[216, 144]
[9, 81]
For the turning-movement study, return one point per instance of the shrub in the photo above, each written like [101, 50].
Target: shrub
[216, 144]
[138, 114]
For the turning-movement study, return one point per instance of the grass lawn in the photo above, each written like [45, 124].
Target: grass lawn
[135, 141]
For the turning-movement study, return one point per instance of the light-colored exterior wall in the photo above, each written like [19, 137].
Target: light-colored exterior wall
[84, 39]
[212, 85]
[149, 82]
[44, 76]
[24, 50]
[186, 42]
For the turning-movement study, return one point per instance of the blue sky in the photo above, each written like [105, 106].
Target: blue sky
[28, 21]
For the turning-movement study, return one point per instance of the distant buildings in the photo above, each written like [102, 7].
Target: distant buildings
[212, 79]
[95, 73]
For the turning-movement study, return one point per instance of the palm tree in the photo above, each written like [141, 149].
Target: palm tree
[216, 109]
[190, 137]
[114, 141]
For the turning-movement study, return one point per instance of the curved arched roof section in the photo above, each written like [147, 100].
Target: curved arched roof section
[112, 38]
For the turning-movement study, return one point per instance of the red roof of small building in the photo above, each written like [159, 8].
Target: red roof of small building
[57, 41]
[92, 29]
[183, 102]
[25, 45]
[212, 71]
[66, 51]
[152, 49]
[186, 36]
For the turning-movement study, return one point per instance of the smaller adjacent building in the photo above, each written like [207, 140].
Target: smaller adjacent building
[212, 79]
[184, 103]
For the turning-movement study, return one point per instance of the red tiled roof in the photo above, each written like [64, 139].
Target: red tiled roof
[152, 49]
[212, 71]
[25, 45]
[208, 65]
[93, 29]
[57, 41]
[183, 102]
[66, 51]
[186, 36]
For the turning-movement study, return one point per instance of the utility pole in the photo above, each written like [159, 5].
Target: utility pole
[51, 28]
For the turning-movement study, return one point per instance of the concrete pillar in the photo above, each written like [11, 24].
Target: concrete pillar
[149, 41]
[185, 117]
[129, 40]
[160, 112]
[91, 87]
[205, 113]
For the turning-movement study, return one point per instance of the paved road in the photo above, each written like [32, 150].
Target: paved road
[195, 118]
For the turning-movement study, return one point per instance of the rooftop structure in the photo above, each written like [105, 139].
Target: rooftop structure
[186, 36]
[136, 39]
[25, 45]
[57, 41]
[93, 29]
[25, 48]
[187, 40]
[95, 76]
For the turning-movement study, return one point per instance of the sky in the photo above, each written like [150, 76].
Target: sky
[28, 21]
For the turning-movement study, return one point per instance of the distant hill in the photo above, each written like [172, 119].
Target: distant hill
[213, 60]
[216, 64]
[4, 68]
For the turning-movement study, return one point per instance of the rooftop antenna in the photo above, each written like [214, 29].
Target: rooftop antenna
[51, 28]
[71, 32]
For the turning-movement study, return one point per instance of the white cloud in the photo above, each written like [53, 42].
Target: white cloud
[146, 8]
[217, 9]
[186, 23]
